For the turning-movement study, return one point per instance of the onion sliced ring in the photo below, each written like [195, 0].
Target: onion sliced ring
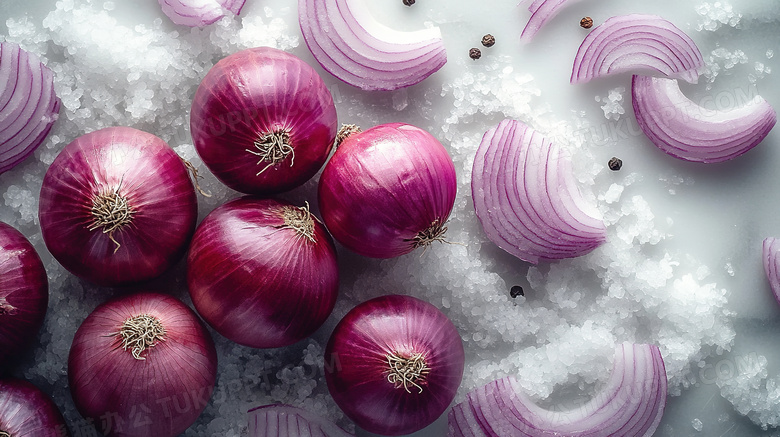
[527, 199]
[286, 421]
[638, 43]
[350, 44]
[771, 255]
[691, 132]
[28, 105]
[199, 13]
[631, 404]
[542, 11]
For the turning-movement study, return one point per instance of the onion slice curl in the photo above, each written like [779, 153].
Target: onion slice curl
[639, 43]
[542, 11]
[526, 197]
[688, 131]
[199, 13]
[352, 45]
[286, 421]
[631, 404]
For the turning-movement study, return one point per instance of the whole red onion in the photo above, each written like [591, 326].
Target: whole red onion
[117, 206]
[395, 363]
[263, 121]
[142, 365]
[26, 411]
[388, 190]
[24, 292]
[263, 272]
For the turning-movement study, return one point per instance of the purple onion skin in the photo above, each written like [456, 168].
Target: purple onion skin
[160, 396]
[356, 363]
[254, 92]
[257, 282]
[156, 184]
[383, 186]
[24, 292]
[26, 411]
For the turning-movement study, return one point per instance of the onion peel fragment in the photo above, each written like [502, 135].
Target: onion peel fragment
[199, 13]
[542, 11]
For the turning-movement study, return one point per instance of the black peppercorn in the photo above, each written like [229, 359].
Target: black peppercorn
[615, 164]
[475, 53]
[516, 291]
[586, 22]
[408, 2]
[488, 40]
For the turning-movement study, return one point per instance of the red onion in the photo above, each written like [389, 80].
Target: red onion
[631, 404]
[263, 121]
[691, 132]
[388, 191]
[263, 272]
[117, 206]
[287, 421]
[637, 42]
[348, 42]
[771, 257]
[527, 199]
[142, 365]
[542, 11]
[26, 411]
[28, 105]
[24, 292]
[199, 13]
[397, 362]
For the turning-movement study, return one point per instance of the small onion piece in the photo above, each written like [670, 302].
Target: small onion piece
[28, 105]
[388, 190]
[287, 421]
[263, 272]
[771, 258]
[631, 404]
[527, 199]
[394, 364]
[685, 130]
[542, 11]
[26, 411]
[144, 360]
[199, 13]
[117, 206]
[24, 292]
[638, 43]
[263, 121]
[352, 45]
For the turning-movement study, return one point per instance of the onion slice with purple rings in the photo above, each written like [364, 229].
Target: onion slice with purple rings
[286, 421]
[352, 45]
[526, 197]
[638, 43]
[542, 11]
[771, 256]
[199, 13]
[688, 131]
[28, 105]
[631, 404]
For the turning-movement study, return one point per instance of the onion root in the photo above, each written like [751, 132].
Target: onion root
[300, 220]
[140, 333]
[273, 148]
[111, 211]
[345, 132]
[404, 372]
[6, 309]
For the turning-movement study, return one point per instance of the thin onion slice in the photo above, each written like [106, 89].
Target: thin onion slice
[631, 404]
[287, 421]
[526, 197]
[542, 11]
[685, 130]
[28, 105]
[771, 256]
[638, 43]
[352, 45]
[199, 13]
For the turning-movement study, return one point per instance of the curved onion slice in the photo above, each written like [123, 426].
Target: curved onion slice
[637, 42]
[199, 13]
[287, 421]
[631, 404]
[526, 198]
[28, 105]
[542, 11]
[771, 255]
[688, 131]
[348, 42]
